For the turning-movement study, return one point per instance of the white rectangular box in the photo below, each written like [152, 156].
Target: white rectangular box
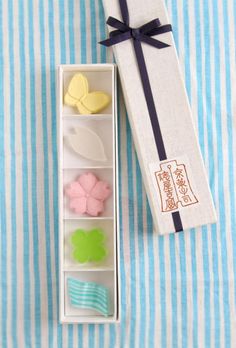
[71, 165]
[176, 183]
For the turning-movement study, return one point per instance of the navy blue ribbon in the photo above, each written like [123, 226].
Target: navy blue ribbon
[144, 34]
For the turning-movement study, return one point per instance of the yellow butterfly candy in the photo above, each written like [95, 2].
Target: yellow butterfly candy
[78, 95]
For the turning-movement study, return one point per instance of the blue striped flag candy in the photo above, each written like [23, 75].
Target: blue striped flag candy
[89, 295]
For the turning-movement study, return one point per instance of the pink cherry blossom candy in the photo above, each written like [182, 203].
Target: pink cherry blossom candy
[87, 194]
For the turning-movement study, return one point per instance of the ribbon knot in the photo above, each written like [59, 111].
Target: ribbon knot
[135, 33]
[144, 33]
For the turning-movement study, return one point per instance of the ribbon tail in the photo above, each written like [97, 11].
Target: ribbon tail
[106, 43]
[153, 42]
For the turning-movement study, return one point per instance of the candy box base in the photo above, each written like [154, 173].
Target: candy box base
[102, 128]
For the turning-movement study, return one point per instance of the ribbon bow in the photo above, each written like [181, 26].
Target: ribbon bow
[144, 33]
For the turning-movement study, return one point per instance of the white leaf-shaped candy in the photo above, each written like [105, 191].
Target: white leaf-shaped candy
[87, 143]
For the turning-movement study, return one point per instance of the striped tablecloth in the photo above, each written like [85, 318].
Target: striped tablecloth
[176, 291]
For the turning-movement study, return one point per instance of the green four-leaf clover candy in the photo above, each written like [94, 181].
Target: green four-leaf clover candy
[88, 246]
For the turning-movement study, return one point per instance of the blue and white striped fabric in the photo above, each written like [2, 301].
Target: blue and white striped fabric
[176, 291]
